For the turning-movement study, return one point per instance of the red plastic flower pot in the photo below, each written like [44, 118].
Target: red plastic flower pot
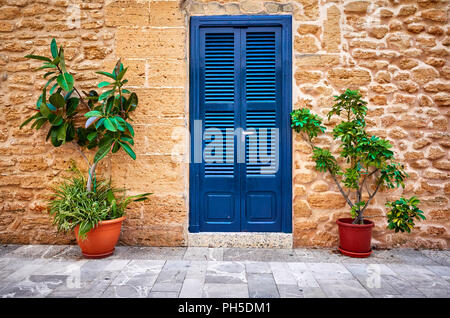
[100, 241]
[355, 239]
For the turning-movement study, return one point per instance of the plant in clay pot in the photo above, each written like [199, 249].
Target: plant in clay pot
[368, 165]
[93, 121]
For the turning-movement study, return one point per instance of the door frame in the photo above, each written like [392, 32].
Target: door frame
[285, 22]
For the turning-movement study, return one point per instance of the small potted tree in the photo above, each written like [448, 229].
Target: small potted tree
[94, 121]
[368, 165]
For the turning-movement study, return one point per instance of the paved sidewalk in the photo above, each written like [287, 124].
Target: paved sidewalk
[60, 271]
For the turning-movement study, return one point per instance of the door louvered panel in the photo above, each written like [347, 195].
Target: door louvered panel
[219, 143]
[261, 143]
[260, 66]
[261, 195]
[219, 178]
[219, 67]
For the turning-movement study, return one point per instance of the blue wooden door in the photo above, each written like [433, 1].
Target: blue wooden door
[240, 129]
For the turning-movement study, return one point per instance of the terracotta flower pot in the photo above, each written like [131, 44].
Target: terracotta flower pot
[355, 239]
[101, 240]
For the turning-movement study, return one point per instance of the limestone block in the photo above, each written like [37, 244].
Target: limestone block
[166, 14]
[326, 200]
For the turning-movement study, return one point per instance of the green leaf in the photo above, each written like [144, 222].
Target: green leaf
[49, 73]
[39, 122]
[122, 73]
[38, 57]
[45, 111]
[61, 133]
[109, 104]
[47, 65]
[120, 126]
[54, 48]
[128, 150]
[70, 132]
[102, 152]
[65, 80]
[108, 139]
[57, 100]
[92, 135]
[55, 120]
[30, 119]
[106, 74]
[53, 88]
[56, 60]
[127, 139]
[110, 195]
[117, 68]
[93, 113]
[103, 84]
[54, 137]
[44, 95]
[115, 147]
[105, 94]
[121, 123]
[72, 104]
[109, 124]
[130, 129]
[62, 60]
[99, 122]
[68, 94]
[132, 102]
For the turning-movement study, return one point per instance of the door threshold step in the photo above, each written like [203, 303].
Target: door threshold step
[240, 239]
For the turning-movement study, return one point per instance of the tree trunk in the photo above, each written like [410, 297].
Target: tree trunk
[359, 219]
[91, 174]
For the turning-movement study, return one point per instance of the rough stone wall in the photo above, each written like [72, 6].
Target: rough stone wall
[29, 167]
[395, 51]
[149, 36]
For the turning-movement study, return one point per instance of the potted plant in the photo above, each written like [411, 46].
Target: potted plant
[94, 121]
[95, 216]
[368, 165]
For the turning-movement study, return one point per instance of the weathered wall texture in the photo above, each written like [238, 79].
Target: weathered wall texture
[395, 51]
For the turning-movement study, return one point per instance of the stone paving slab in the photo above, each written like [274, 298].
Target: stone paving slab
[343, 288]
[156, 253]
[139, 273]
[156, 272]
[203, 254]
[258, 254]
[225, 291]
[262, 285]
[440, 257]
[6, 249]
[37, 251]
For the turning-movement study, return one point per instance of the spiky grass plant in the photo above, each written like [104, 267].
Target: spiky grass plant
[72, 204]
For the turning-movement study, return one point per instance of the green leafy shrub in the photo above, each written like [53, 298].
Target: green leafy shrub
[99, 121]
[73, 205]
[369, 161]
[402, 214]
[305, 121]
[108, 115]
